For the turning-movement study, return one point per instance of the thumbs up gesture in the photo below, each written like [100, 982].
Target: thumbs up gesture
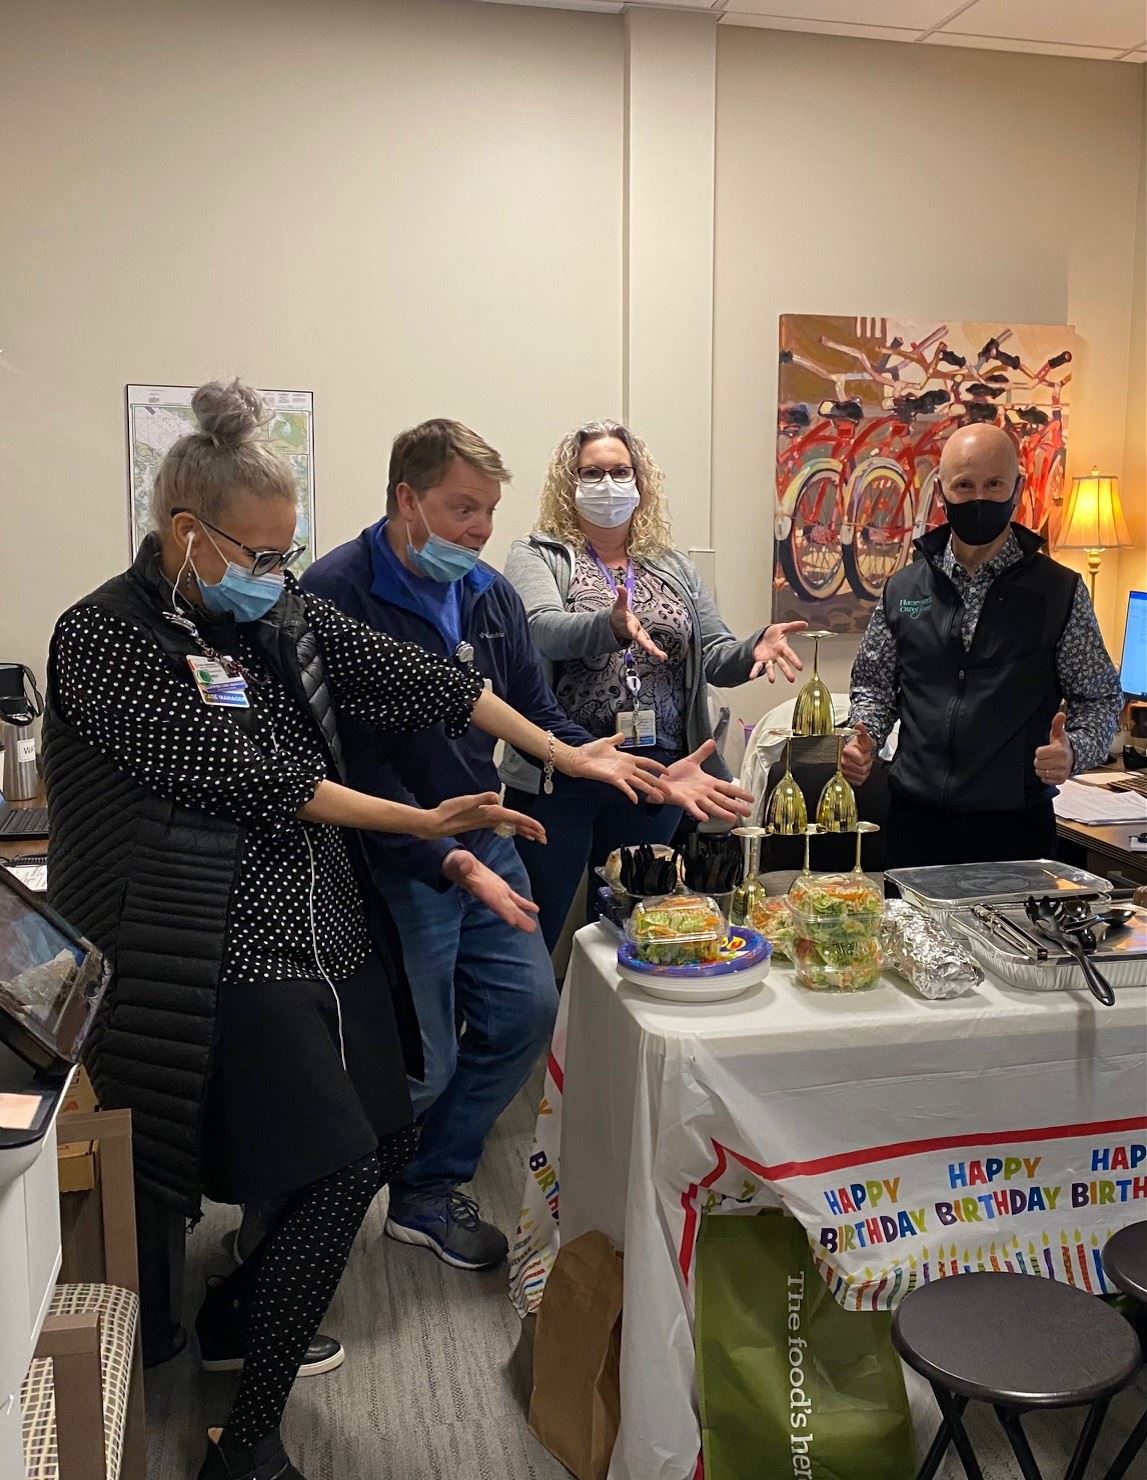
[1054, 761]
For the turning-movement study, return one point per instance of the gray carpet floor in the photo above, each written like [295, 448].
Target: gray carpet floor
[436, 1381]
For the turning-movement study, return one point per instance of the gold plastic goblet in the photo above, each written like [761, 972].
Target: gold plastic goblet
[836, 810]
[751, 890]
[813, 714]
[862, 830]
[786, 810]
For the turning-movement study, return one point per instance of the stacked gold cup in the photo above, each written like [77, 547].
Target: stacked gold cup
[786, 810]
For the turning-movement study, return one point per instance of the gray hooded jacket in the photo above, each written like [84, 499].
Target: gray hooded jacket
[541, 568]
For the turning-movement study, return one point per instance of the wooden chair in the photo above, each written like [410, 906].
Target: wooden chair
[82, 1399]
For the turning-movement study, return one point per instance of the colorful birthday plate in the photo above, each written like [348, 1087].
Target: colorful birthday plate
[744, 962]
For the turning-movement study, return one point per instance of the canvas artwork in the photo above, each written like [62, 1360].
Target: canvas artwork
[863, 408]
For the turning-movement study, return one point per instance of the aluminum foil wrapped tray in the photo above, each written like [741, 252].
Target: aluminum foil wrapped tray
[927, 956]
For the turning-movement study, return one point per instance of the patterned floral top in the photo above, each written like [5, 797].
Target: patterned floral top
[1087, 676]
[296, 910]
[592, 691]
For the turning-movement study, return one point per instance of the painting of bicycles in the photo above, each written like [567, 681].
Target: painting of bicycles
[863, 408]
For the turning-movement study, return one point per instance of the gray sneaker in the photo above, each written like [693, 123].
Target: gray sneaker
[448, 1223]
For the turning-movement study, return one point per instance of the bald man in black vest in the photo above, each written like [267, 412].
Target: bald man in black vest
[988, 653]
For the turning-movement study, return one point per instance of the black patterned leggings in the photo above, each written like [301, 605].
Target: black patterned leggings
[286, 1285]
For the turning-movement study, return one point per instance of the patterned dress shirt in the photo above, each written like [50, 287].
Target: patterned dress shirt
[1087, 677]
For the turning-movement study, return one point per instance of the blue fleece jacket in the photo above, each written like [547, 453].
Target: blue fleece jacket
[367, 581]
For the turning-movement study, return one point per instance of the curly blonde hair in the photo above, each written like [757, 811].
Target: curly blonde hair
[649, 533]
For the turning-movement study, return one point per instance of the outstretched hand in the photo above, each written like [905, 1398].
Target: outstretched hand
[628, 630]
[601, 760]
[468, 814]
[705, 798]
[470, 873]
[772, 651]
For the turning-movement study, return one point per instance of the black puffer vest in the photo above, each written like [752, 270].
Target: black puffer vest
[971, 720]
[150, 882]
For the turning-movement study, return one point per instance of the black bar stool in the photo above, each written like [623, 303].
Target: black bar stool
[1017, 1342]
[1125, 1264]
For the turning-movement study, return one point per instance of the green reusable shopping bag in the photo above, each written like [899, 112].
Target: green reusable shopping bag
[790, 1384]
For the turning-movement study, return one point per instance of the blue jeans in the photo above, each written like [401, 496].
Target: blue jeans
[585, 821]
[463, 962]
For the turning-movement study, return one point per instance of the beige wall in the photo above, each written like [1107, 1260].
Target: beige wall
[420, 207]
[862, 177]
[1133, 563]
[375, 201]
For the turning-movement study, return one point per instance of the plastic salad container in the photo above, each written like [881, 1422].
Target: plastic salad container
[836, 931]
[773, 918]
[677, 930]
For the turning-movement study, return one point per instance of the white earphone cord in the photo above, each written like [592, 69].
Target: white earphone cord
[311, 918]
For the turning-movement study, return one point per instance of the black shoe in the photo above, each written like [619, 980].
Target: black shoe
[223, 1338]
[163, 1345]
[266, 1460]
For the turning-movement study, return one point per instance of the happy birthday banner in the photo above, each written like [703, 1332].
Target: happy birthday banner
[1042, 1201]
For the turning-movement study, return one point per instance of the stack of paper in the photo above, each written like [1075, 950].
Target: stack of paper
[1080, 802]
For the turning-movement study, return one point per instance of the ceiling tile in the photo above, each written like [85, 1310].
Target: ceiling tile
[1032, 48]
[908, 15]
[1113, 24]
[817, 28]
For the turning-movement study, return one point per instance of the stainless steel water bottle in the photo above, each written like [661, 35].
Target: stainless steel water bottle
[18, 710]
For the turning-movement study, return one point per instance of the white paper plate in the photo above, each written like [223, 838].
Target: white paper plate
[716, 989]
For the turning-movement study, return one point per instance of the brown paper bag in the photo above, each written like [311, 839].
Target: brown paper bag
[576, 1403]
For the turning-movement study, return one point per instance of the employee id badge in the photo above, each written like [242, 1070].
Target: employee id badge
[216, 685]
[639, 728]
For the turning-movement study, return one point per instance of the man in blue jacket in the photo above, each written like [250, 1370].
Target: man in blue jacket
[473, 953]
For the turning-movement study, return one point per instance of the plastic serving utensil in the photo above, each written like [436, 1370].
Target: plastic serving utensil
[1042, 914]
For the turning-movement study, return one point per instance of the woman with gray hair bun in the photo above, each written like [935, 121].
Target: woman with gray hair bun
[632, 639]
[259, 1024]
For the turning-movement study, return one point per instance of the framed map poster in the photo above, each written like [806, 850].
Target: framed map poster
[158, 415]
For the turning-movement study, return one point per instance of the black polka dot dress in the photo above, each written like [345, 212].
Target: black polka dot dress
[307, 1072]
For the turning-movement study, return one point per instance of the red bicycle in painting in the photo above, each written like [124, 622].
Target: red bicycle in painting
[810, 455]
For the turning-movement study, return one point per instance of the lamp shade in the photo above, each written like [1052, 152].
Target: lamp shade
[1094, 518]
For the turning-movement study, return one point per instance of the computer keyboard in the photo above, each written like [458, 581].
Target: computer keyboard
[1133, 781]
[24, 822]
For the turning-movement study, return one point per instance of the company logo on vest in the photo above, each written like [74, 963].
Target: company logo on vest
[915, 606]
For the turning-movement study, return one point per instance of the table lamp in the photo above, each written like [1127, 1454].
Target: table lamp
[1094, 520]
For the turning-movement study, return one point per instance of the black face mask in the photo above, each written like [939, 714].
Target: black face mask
[980, 520]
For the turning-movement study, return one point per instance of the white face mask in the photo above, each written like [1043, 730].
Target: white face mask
[606, 504]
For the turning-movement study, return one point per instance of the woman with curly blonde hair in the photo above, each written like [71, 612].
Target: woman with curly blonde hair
[632, 639]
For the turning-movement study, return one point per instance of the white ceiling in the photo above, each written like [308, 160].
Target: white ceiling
[1114, 30]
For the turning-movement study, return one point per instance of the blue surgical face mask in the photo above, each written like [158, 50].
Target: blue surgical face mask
[439, 559]
[238, 593]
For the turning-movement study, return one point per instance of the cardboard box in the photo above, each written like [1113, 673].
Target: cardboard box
[76, 1163]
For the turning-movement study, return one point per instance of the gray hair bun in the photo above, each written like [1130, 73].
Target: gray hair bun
[229, 414]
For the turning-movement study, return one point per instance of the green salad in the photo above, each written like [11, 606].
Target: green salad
[836, 921]
[678, 930]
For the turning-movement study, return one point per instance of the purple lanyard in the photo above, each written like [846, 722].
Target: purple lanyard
[632, 681]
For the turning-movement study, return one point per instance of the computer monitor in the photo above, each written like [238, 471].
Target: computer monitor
[1133, 669]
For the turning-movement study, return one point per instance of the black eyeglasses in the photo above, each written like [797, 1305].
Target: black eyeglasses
[263, 562]
[623, 473]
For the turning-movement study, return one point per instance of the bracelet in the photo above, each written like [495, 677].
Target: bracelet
[548, 768]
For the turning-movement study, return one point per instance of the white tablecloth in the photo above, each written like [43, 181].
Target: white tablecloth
[912, 1139]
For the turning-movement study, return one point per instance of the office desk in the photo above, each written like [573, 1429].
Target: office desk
[1105, 848]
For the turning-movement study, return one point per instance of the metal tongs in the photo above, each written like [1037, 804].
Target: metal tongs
[1046, 918]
